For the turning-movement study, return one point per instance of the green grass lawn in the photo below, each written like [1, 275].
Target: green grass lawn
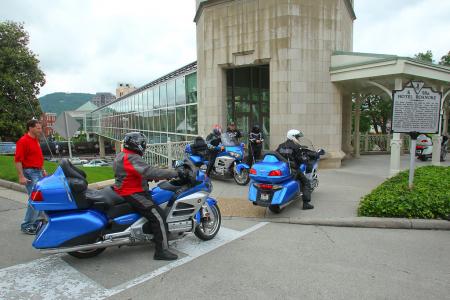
[429, 199]
[94, 174]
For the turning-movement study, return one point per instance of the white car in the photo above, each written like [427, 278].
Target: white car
[78, 161]
[96, 163]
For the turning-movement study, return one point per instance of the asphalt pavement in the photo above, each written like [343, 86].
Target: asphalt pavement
[249, 259]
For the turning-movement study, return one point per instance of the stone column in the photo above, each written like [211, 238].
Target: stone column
[347, 124]
[446, 117]
[357, 135]
[396, 142]
[437, 139]
[101, 144]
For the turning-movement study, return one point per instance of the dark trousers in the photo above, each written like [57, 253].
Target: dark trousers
[254, 153]
[211, 160]
[306, 186]
[144, 205]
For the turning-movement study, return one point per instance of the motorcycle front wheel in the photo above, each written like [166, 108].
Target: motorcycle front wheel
[208, 229]
[243, 178]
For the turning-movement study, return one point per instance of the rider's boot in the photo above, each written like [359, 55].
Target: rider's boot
[306, 206]
[164, 254]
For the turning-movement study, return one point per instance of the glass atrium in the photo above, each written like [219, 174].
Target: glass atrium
[164, 108]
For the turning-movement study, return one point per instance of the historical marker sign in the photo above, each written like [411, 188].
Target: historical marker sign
[416, 109]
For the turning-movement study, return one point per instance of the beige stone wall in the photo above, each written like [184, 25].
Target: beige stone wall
[296, 38]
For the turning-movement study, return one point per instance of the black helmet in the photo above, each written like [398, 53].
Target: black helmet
[256, 128]
[135, 141]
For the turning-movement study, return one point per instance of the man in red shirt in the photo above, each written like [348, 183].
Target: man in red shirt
[29, 164]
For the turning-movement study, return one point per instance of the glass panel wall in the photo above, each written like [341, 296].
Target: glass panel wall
[162, 111]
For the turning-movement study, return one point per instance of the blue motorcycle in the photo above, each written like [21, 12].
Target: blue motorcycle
[229, 162]
[273, 182]
[84, 222]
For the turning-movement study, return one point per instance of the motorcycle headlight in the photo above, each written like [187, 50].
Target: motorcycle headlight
[235, 155]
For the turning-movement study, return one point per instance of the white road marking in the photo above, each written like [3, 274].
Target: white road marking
[52, 278]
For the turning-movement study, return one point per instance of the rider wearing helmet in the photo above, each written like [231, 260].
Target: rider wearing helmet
[132, 175]
[213, 141]
[296, 154]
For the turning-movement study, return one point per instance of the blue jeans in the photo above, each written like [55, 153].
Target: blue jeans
[31, 215]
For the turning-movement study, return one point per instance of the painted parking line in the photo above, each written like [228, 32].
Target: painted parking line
[52, 278]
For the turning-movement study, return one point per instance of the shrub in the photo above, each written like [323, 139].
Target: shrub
[429, 199]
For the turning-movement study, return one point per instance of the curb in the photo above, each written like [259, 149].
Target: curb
[12, 186]
[21, 188]
[358, 222]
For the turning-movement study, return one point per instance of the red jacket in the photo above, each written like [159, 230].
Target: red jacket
[133, 173]
[29, 153]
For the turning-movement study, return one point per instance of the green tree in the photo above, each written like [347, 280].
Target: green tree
[375, 113]
[445, 60]
[426, 57]
[20, 81]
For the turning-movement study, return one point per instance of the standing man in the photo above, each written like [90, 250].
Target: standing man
[29, 164]
[255, 139]
[233, 132]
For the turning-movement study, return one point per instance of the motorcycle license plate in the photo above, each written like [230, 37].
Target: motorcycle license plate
[265, 197]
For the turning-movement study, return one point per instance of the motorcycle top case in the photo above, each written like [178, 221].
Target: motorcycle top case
[270, 163]
[56, 193]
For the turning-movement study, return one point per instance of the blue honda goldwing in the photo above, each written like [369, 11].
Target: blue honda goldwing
[84, 222]
[229, 162]
[273, 182]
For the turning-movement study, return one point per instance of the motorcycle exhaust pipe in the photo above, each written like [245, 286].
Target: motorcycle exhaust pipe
[102, 244]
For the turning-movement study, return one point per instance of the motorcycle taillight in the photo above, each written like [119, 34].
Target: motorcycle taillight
[265, 186]
[36, 196]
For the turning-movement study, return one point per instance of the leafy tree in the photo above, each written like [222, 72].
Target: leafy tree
[445, 60]
[426, 57]
[375, 113]
[20, 81]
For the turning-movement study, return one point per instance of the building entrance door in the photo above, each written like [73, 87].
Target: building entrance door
[248, 99]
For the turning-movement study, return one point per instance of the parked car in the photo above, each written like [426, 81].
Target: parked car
[78, 161]
[96, 163]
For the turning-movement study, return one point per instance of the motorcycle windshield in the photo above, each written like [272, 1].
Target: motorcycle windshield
[229, 140]
[306, 143]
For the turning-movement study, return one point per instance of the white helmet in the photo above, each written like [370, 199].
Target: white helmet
[294, 135]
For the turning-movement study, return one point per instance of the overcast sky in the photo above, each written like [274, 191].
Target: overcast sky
[91, 45]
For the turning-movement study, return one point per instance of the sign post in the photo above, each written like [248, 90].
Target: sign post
[416, 110]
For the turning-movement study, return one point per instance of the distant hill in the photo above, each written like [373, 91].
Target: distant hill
[59, 102]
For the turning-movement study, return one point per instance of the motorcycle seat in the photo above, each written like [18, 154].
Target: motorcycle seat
[106, 197]
[171, 186]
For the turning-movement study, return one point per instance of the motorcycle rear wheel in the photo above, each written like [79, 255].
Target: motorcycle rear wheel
[200, 230]
[276, 209]
[87, 253]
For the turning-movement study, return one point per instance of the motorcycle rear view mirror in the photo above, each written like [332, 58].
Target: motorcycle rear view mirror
[321, 152]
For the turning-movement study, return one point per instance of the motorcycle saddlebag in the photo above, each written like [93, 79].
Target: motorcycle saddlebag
[64, 229]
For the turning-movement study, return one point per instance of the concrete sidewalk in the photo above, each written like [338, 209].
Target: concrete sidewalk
[337, 196]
